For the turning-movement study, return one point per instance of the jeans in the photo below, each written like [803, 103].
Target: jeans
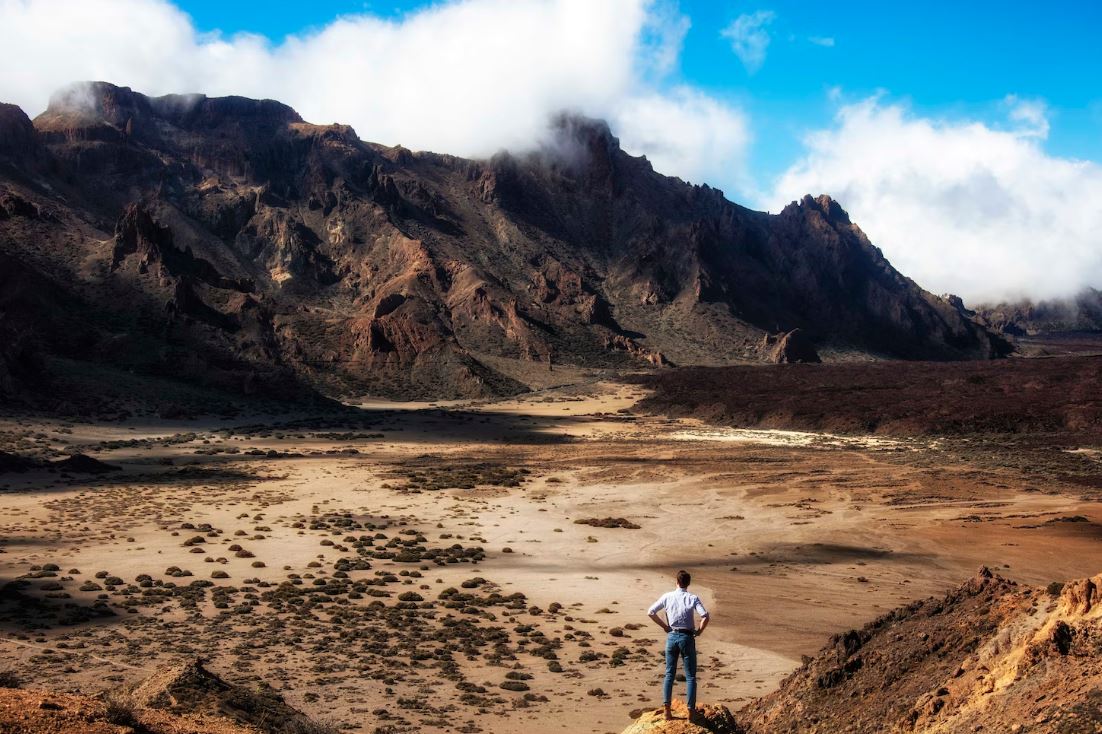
[681, 644]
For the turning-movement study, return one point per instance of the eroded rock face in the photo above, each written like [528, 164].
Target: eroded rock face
[985, 657]
[378, 269]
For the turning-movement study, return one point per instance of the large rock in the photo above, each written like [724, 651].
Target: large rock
[710, 719]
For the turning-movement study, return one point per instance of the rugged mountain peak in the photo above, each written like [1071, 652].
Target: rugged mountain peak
[594, 134]
[823, 204]
[830, 208]
[200, 112]
[114, 105]
[581, 147]
[97, 101]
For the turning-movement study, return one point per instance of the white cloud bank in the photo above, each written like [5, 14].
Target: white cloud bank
[467, 77]
[960, 206]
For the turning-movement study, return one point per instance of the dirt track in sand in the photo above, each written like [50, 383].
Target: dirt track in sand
[791, 537]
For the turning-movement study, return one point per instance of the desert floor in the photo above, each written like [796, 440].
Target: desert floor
[337, 535]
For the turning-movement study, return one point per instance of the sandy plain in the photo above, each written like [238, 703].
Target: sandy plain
[390, 569]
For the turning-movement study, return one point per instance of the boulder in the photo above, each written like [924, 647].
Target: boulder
[708, 720]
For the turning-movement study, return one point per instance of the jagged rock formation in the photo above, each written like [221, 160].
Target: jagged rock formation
[989, 656]
[228, 241]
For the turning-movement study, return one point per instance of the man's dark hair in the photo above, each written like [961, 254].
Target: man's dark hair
[683, 579]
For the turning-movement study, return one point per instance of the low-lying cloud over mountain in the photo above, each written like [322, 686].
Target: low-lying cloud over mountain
[961, 206]
[469, 77]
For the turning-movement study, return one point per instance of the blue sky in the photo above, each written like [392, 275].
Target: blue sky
[965, 138]
[955, 59]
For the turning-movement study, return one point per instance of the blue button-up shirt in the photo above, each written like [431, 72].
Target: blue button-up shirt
[679, 605]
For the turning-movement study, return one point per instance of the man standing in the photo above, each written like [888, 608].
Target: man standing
[681, 636]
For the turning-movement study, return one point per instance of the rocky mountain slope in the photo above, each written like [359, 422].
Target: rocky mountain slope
[989, 656]
[229, 242]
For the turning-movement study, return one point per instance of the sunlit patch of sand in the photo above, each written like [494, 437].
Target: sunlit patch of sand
[772, 437]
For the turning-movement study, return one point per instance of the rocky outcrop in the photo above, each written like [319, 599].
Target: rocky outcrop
[985, 657]
[137, 233]
[190, 688]
[793, 347]
[376, 269]
[708, 719]
[181, 699]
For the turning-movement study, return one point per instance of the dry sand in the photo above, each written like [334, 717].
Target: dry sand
[790, 537]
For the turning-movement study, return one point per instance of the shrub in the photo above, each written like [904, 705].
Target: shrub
[121, 710]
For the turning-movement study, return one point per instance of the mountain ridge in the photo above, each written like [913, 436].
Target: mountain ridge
[284, 253]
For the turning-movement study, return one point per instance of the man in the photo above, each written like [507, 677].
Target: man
[679, 606]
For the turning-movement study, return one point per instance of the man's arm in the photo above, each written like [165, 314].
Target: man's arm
[659, 621]
[653, 613]
[703, 617]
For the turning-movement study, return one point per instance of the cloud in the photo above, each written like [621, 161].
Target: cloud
[467, 77]
[685, 129]
[1032, 114]
[749, 37]
[959, 205]
[824, 41]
